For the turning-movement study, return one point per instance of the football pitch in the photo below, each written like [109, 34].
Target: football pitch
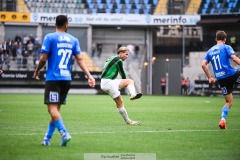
[172, 127]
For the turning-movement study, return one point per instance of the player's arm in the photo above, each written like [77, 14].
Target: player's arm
[235, 59]
[81, 63]
[121, 70]
[41, 64]
[205, 69]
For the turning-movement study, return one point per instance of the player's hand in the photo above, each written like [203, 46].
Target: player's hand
[91, 82]
[1, 71]
[211, 80]
[36, 75]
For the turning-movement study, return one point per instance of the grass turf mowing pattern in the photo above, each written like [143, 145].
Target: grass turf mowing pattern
[175, 128]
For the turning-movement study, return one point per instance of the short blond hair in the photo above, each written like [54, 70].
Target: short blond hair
[122, 49]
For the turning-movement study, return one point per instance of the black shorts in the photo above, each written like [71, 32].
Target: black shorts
[56, 92]
[227, 84]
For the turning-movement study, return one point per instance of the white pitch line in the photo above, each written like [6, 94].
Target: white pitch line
[161, 131]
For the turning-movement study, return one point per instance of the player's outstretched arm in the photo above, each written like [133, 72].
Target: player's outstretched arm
[81, 63]
[235, 59]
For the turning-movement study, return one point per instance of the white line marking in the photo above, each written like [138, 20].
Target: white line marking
[161, 131]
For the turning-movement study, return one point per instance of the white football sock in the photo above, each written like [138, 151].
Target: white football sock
[131, 89]
[124, 114]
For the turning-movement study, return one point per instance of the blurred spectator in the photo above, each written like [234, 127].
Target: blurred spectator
[99, 49]
[183, 86]
[163, 85]
[25, 40]
[137, 49]
[25, 55]
[18, 39]
[14, 50]
[30, 47]
[93, 49]
[187, 81]
[19, 55]
[233, 42]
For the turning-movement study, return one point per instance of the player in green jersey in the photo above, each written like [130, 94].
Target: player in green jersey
[111, 85]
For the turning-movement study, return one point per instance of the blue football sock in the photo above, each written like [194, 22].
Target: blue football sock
[50, 131]
[60, 126]
[225, 111]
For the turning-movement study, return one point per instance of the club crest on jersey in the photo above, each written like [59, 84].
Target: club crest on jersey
[64, 38]
[53, 97]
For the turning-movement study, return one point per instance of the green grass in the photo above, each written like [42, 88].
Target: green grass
[175, 128]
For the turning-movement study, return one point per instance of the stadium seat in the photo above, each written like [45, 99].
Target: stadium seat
[91, 6]
[94, 10]
[155, 2]
[100, 6]
[136, 11]
[117, 10]
[119, 6]
[127, 1]
[204, 11]
[118, 1]
[127, 11]
[138, 6]
[107, 10]
[146, 11]
[129, 6]
[145, 1]
[109, 5]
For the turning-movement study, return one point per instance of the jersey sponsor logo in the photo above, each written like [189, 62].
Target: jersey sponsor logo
[43, 47]
[64, 38]
[220, 74]
[53, 97]
[64, 72]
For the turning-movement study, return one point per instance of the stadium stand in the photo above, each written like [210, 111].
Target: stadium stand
[92, 6]
[219, 7]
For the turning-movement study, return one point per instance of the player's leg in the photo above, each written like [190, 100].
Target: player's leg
[123, 112]
[64, 88]
[131, 88]
[225, 110]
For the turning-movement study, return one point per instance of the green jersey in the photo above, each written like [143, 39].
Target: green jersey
[112, 67]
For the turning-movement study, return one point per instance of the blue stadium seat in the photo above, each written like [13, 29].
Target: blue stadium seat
[91, 5]
[206, 5]
[127, 1]
[108, 1]
[109, 5]
[138, 6]
[212, 10]
[136, 11]
[204, 11]
[145, 1]
[119, 6]
[146, 11]
[148, 6]
[136, 1]
[117, 10]
[118, 1]
[155, 2]
[228, 10]
[89, 1]
[107, 10]
[127, 11]
[128, 6]
[100, 5]
[99, 1]
[94, 10]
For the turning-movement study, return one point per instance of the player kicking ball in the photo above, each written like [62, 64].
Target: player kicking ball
[111, 85]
